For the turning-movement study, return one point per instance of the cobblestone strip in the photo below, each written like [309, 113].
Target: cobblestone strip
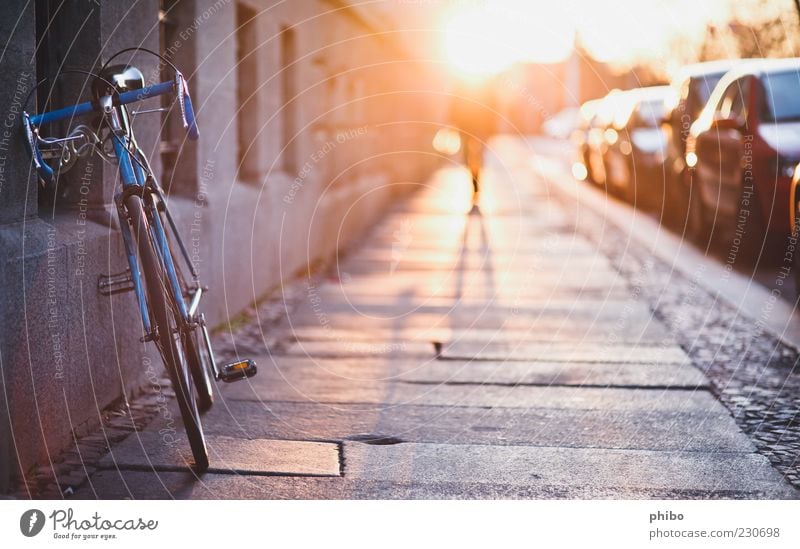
[72, 466]
[262, 326]
[753, 374]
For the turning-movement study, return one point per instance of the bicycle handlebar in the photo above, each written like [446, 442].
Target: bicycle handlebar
[177, 86]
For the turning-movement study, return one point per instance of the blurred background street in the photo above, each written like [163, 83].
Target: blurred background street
[532, 349]
[478, 249]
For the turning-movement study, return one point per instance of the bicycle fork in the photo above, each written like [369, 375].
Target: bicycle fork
[191, 318]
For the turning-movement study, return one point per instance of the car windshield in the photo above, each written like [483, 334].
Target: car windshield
[650, 113]
[700, 90]
[782, 94]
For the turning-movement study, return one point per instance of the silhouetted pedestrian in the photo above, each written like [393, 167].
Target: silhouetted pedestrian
[472, 112]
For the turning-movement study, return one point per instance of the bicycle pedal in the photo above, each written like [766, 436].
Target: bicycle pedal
[234, 371]
[115, 284]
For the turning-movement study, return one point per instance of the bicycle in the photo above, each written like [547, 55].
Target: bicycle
[169, 296]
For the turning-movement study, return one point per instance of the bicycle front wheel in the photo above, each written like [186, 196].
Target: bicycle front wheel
[169, 342]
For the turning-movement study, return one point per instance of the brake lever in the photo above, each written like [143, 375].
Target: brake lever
[44, 171]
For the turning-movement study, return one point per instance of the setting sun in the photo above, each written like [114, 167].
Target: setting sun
[487, 39]
[473, 45]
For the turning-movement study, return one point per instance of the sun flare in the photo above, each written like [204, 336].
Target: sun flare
[487, 39]
[482, 38]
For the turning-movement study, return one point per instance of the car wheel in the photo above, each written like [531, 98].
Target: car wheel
[698, 225]
[589, 175]
[616, 167]
[629, 181]
[747, 234]
[676, 202]
[794, 241]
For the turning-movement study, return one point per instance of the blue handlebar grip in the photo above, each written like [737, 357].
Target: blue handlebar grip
[194, 133]
[133, 96]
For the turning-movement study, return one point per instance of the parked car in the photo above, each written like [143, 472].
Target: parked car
[692, 86]
[793, 244]
[562, 124]
[580, 139]
[596, 143]
[742, 152]
[636, 145]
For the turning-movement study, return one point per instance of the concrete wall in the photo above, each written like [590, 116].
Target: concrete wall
[344, 127]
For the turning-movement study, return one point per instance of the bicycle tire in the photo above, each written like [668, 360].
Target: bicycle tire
[193, 351]
[165, 322]
[199, 369]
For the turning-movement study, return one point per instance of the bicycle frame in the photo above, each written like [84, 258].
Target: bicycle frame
[137, 179]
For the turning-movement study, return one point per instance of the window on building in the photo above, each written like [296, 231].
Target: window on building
[167, 37]
[247, 59]
[45, 59]
[288, 92]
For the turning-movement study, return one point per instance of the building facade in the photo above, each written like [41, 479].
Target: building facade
[314, 119]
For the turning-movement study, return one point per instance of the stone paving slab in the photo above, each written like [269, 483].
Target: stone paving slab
[132, 484]
[555, 244]
[383, 369]
[518, 274]
[486, 326]
[424, 219]
[546, 254]
[152, 450]
[472, 305]
[350, 349]
[521, 279]
[495, 298]
[484, 261]
[462, 260]
[469, 309]
[567, 467]
[564, 352]
[169, 485]
[509, 332]
[558, 351]
[478, 290]
[642, 430]
[336, 390]
[477, 228]
[449, 241]
[560, 373]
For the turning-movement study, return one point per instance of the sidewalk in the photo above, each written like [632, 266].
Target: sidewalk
[463, 355]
